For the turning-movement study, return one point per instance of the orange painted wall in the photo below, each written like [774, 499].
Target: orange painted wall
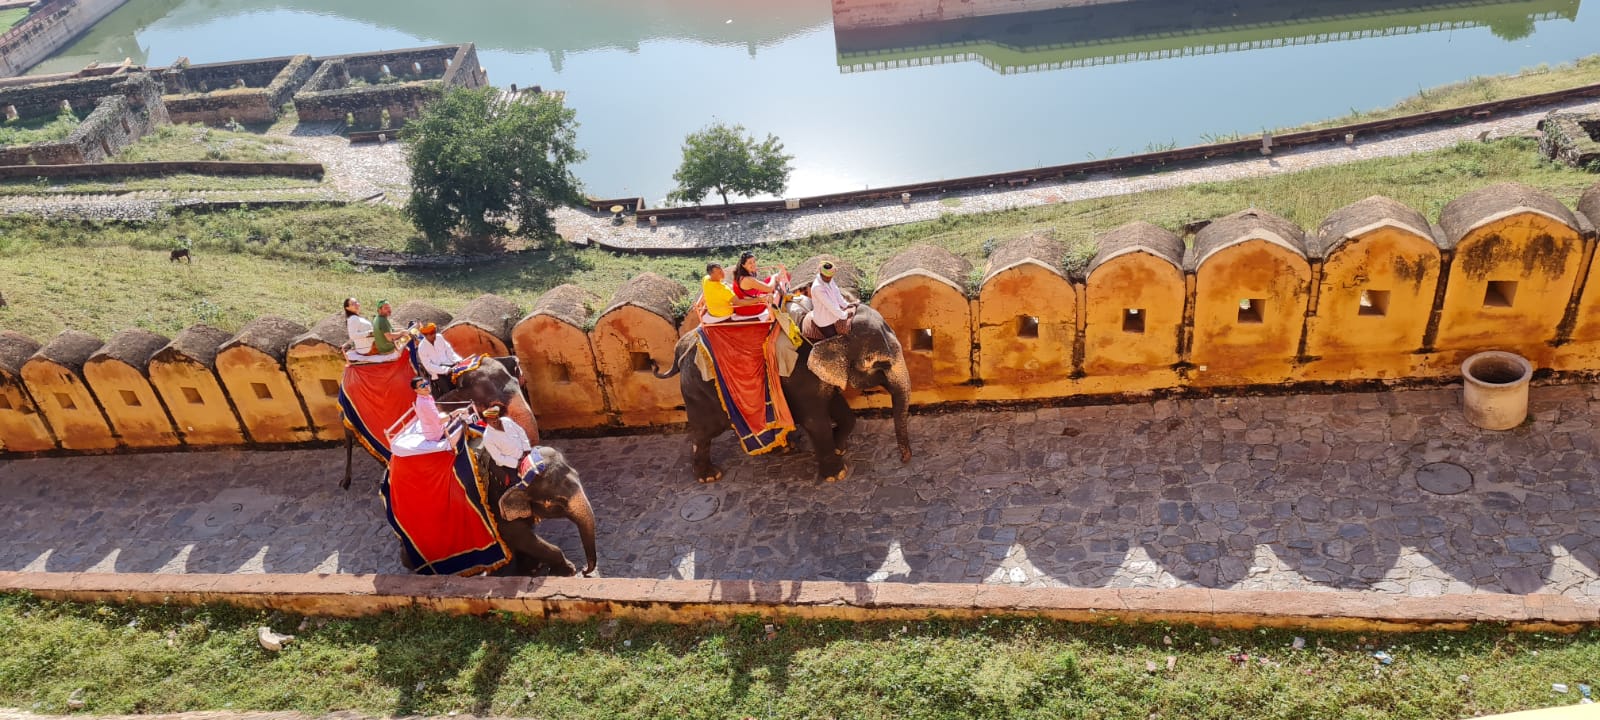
[264, 396]
[1542, 256]
[194, 396]
[637, 396]
[130, 402]
[68, 405]
[558, 371]
[471, 340]
[22, 426]
[1381, 339]
[1027, 327]
[315, 368]
[1236, 352]
[1115, 359]
[916, 304]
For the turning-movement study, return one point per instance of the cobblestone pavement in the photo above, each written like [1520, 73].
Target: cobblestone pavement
[1304, 492]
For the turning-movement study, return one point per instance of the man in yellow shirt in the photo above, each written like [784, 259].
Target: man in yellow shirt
[716, 299]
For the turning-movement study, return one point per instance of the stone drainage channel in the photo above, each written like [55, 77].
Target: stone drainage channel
[1388, 492]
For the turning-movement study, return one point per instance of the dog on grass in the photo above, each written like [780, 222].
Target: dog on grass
[180, 254]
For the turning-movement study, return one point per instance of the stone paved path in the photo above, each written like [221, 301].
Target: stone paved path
[1305, 492]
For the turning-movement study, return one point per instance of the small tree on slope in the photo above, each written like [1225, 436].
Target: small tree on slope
[725, 159]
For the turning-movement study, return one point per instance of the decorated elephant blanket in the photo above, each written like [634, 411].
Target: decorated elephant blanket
[437, 504]
[745, 373]
[374, 396]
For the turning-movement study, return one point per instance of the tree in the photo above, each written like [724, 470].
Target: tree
[724, 159]
[483, 168]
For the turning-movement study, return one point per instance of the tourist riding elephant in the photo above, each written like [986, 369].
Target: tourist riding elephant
[494, 380]
[555, 492]
[869, 356]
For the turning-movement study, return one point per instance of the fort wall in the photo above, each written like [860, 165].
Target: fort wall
[1374, 293]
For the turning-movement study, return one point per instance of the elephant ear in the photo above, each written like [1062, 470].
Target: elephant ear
[515, 504]
[830, 362]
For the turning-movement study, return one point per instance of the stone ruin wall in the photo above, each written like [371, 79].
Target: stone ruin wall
[328, 97]
[208, 94]
[126, 108]
[1376, 293]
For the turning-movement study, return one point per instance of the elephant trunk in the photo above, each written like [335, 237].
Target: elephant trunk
[582, 515]
[519, 412]
[899, 385]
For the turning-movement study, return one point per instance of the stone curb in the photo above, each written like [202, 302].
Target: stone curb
[689, 601]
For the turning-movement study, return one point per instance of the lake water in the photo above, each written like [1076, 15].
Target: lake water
[879, 107]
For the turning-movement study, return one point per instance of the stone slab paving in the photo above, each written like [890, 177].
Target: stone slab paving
[1262, 493]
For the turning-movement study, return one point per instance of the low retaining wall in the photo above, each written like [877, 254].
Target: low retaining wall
[157, 169]
[693, 601]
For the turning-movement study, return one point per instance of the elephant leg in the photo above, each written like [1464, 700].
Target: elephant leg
[844, 422]
[704, 471]
[530, 550]
[831, 466]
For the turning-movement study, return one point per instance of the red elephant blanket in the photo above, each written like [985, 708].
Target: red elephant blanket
[437, 504]
[373, 396]
[747, 382]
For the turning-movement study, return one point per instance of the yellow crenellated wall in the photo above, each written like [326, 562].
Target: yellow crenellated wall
[1026, 348]
[118, 374]
[1380, 271]
[1029, 329]
[1251, 285]
[1134, 302]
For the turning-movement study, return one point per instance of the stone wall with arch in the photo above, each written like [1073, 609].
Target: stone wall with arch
[1376, 292]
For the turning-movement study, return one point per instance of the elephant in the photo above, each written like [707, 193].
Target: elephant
[869, 356]
[494, 380]
[555, 492]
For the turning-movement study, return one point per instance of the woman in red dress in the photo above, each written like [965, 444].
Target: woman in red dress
[746, 285]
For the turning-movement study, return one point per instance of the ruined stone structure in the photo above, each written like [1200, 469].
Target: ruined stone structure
[1571, 137]
[1376, 292]
[399, 81]
[125, 108]
[245, 91]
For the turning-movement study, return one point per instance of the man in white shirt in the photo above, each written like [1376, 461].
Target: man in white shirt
[830, 313]
[506, 442]
[437, 357]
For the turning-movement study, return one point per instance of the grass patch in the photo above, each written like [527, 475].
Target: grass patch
[102, 278]
[184, 182]
[1482, 89]
[39, 129]
[188, 143]
[171, 659]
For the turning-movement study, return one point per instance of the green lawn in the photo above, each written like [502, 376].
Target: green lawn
[198, 142]
[170, 659]
[104, 277]
[9, 18]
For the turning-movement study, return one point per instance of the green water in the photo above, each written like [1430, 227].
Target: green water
[862, 108]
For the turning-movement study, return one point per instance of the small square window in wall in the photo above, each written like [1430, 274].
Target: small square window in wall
[130, 398]
[922, 340]
[330, 387]
[5, 402]
[1374, 303]
[1251, 311]
[640, 361]
[192, 395]
[560, 373]
[1133, 320]
[1500, 293]
[1027, 326]
[262, 391]
[65, 401]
